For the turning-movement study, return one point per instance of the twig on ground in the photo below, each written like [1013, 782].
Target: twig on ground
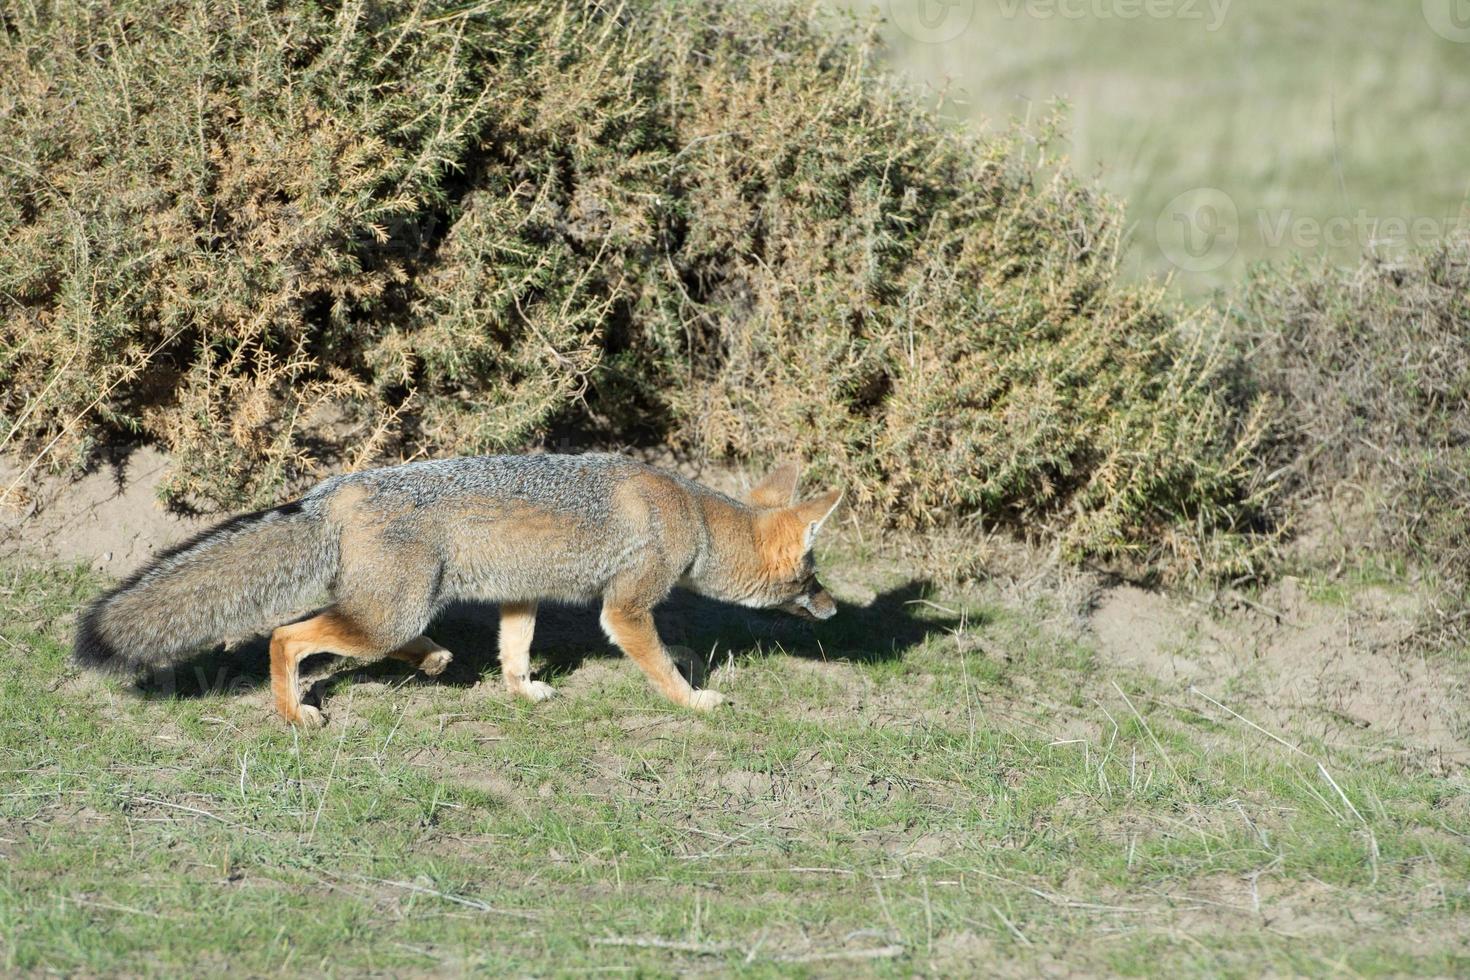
[653, 942]
[472, 903]
[322, 800]
[877, 953]
[1010, 925]
[113, 907]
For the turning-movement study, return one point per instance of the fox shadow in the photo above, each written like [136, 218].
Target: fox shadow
[694, 628]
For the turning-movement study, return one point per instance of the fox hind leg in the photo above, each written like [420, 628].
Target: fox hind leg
[329, 632]
[424, 654]
[517, 626]
[387, 589]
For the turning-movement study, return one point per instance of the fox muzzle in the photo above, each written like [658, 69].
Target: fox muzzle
[815, 605]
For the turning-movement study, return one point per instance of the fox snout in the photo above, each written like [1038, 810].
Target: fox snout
[815, 605]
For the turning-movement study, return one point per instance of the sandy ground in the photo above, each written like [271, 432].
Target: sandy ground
[1338, 666]
[1343, 672]
[111, 518]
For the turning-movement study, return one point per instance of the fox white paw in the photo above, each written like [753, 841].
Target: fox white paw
[536, 690]
[706, 700]
[308, 716]
[434, 663]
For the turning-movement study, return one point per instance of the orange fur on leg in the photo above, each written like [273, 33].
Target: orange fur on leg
[635, 634]
[326, 633]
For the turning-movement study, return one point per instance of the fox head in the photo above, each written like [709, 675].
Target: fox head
[773, 568]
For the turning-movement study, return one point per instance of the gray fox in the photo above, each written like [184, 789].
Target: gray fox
[379, 552]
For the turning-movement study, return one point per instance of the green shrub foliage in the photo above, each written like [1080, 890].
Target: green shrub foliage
[264, 233]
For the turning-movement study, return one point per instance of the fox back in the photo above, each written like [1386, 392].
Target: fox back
[519, 528]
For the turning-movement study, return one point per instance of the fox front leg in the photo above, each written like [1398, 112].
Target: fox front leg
[633, 631]
[517, 626]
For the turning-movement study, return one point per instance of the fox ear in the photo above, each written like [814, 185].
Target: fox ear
[814, 513]
[778, 489]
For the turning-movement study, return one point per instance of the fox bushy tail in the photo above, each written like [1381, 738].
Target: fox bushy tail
[249, 573]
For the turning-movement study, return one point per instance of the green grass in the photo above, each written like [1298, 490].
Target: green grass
[1304, 110]
[936, 781]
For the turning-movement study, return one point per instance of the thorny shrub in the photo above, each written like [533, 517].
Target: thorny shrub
[255, 231]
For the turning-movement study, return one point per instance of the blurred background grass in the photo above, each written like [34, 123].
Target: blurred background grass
[1233, 130]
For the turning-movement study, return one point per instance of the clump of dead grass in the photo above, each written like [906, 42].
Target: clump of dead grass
[713, 225]
[1370, 368]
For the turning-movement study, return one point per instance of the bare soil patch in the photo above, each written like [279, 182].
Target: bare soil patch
[110, 518]
[1343, 671]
